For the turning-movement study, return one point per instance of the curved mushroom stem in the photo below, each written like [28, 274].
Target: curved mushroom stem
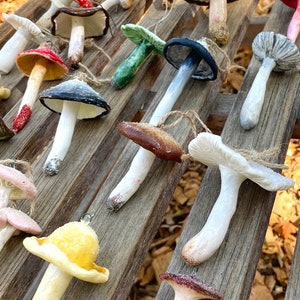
[218, 28]
[127, 69]
[53, 284]
[253, 104]
[33, 85]
[204, 244]
[4, 194]
[76, 44]
[11, 48]
[294, 26]
[63, 137]
[136, 175]
[5, 234]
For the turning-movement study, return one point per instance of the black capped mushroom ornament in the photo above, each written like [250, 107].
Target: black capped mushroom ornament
[192, 60]
[73, 99]
[276, 53]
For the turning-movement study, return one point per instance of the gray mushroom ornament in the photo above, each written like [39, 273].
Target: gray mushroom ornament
[73, 100]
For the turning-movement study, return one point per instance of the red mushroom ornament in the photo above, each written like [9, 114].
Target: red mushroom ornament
[38, 64]
[294, 26]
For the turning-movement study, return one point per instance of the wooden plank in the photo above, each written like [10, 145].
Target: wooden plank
[232, 268]
[293, 290]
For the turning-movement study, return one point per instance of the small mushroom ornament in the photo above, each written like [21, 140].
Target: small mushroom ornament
[71, 251]
[276, 52]
[209, 149]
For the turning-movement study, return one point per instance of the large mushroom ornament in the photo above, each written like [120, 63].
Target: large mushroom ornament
[276, 53]
[73, 99]
[294, 25]
[191, 59]
[26, 31]
[235, 169]
[77, 24]
[146, 43]
[38, 64]
[71, 251]
[189, 287]
[217, 24]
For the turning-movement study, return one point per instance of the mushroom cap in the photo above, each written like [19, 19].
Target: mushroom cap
[152, 138]
[290, 3]
[190, 285]
[278, 47]
[73, 248]
[96, 21]
[21, 22]
[56, 69]
[11, 177]
[137, 34]
[92, 105]
[209, 149]
[204, 2]
[176, 51]
[19, 220]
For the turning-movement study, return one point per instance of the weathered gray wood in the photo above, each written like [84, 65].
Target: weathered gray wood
[232, 268]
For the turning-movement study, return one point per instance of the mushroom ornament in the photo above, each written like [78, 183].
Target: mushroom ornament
[146, 42]
[71, 251]
[77, 24]
[189, 287]
[38, 64]
[26, 31]
[217, 26]
[234, 168]
[294, 26]
[73, 99]
[192, 60]
[276, 52]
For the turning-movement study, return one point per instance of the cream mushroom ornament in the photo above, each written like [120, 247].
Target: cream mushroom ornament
[71, 251]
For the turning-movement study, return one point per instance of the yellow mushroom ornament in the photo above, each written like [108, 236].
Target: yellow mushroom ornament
[71, 251]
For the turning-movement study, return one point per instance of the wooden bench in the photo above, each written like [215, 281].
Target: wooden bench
[99, 157]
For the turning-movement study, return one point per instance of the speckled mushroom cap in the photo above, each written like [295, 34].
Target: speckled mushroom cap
[73, 248]
[137, 34]
[290, 3]
[278, 47]
[176, 51]
[190, 286]
[96, 21]
[92, 105]
[56, 69]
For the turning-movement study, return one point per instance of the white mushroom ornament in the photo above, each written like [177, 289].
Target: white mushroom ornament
[234, 168]
[189, 287]
[71, 251]
[276, 52]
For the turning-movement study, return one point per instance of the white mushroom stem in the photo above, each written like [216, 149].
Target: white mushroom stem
[5, 234]
[254, 101]
[4, 194]
[144, 159]
[63, 137]
[53, 284]
[218, 28]
[107, 4]
[76, 43]
[45, 20]
[204, 244]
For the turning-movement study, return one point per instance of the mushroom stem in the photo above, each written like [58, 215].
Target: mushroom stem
[127, 69]
[294, 26]
[204, 244]
[143, 160]
[33, 85]
[107, 4]
[63, 137]
[53, 284]
[4, 194]
[253, 104]
[218, 28]
[5, 234]
[76, 43]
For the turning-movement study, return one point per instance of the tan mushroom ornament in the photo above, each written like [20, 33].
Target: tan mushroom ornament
[234, 168]
[71, 251]
[276, 52]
